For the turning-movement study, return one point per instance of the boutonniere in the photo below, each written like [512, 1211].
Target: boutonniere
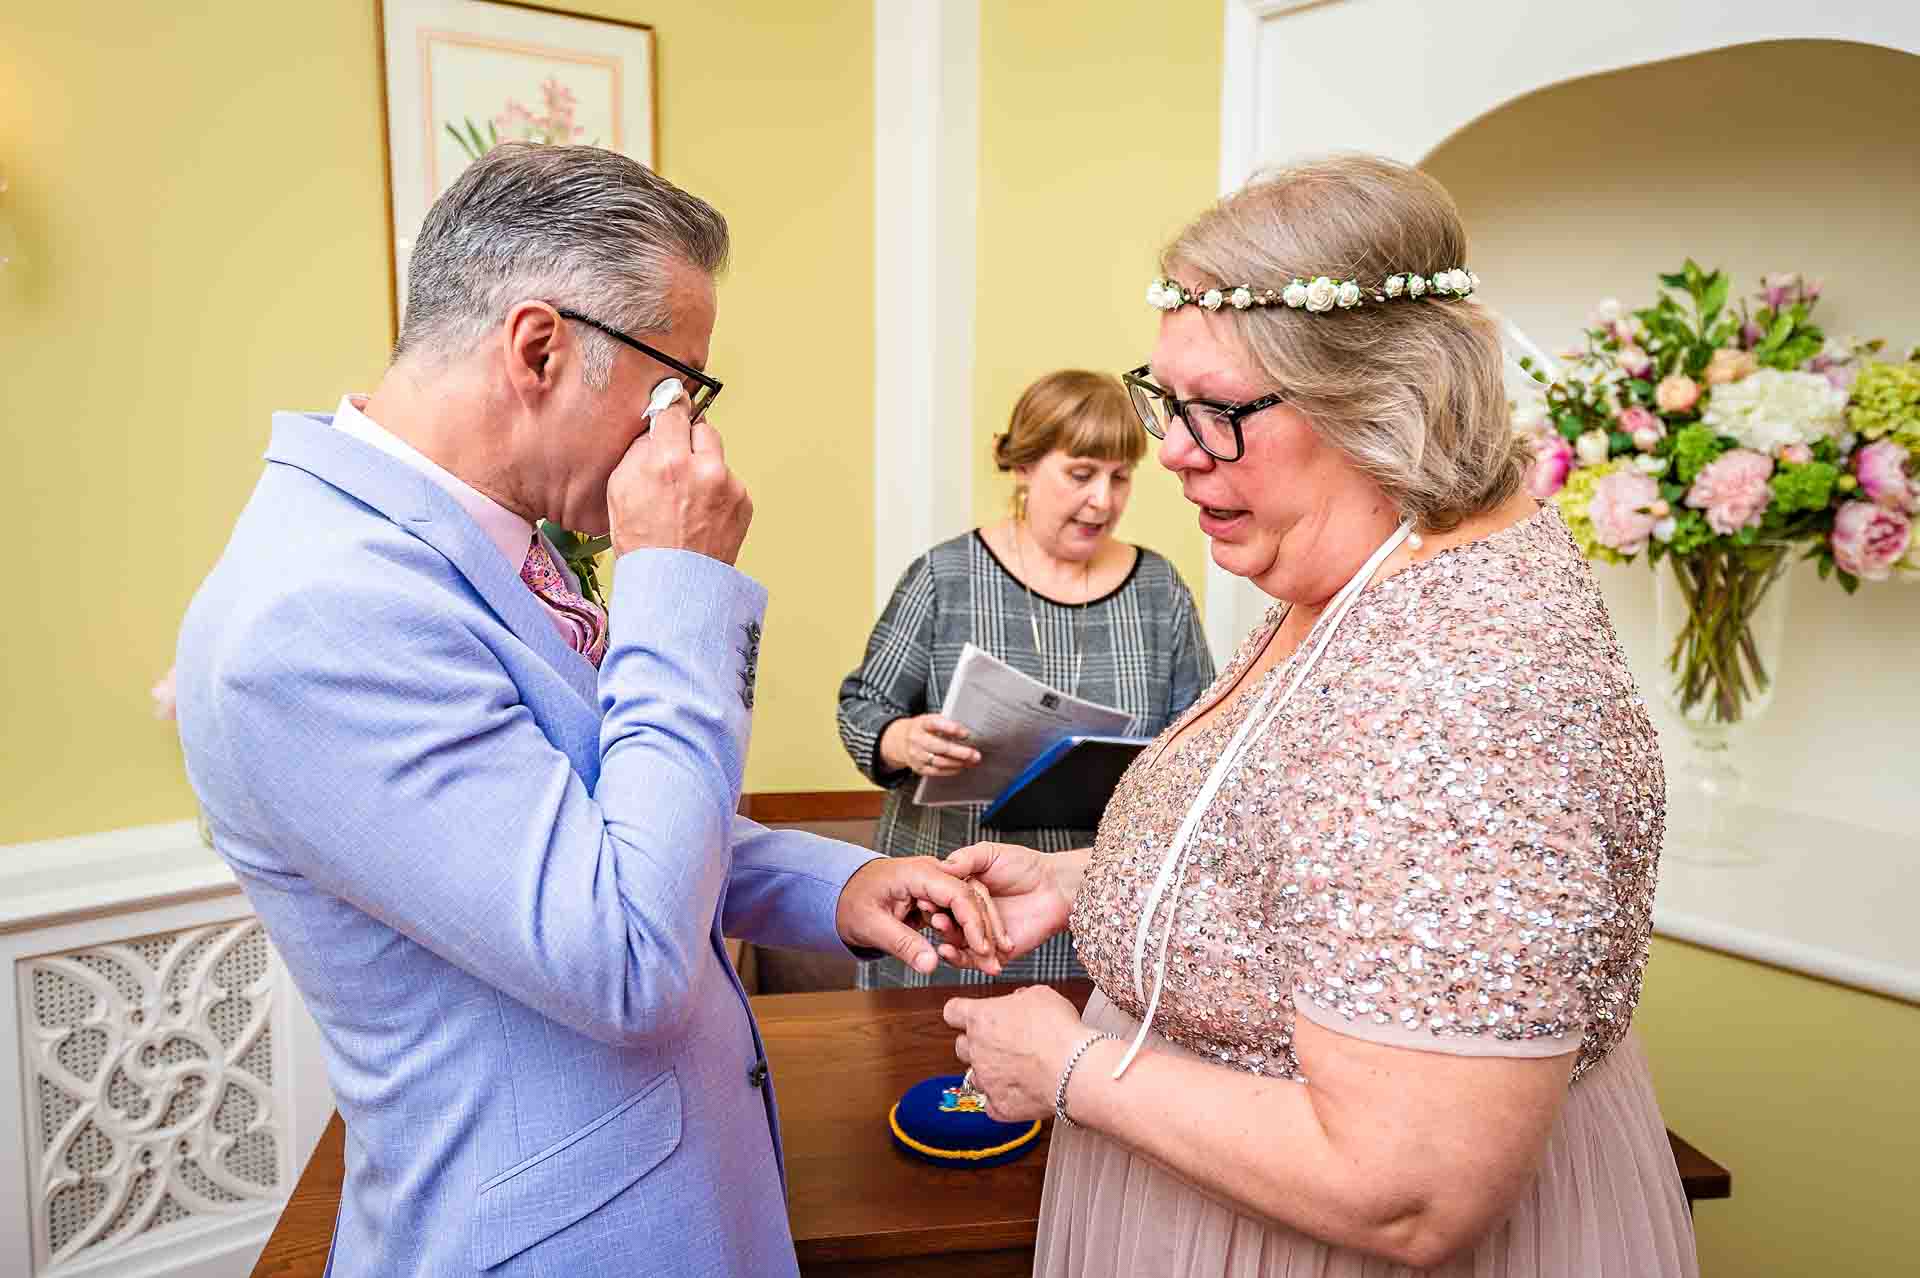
[580, 554]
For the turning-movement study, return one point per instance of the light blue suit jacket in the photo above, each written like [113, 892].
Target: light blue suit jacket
[500, 882]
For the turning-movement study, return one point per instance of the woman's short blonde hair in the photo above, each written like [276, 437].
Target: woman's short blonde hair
[1082, 413]
[1410, 391]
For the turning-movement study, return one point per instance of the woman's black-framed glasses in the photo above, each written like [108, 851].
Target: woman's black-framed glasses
[700, 394]
[1214, 424]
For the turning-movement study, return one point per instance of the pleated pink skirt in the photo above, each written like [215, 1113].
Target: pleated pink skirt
[1606, 1204]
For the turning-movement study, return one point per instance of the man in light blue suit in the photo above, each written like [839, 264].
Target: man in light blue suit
[500, 876]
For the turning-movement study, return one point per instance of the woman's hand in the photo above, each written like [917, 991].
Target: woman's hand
[1032, 893]
[1016, 1047]
[929, 744]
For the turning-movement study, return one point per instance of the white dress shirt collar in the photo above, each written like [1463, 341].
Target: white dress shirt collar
[512, 534]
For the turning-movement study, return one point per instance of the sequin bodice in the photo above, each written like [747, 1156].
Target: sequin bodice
[1451, 829]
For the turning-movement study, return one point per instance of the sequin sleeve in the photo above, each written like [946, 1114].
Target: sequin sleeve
[1460, 898]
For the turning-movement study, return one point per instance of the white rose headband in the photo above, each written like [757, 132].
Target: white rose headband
[1319, 294]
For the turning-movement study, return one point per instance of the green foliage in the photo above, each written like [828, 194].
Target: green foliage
[1690, 532]
[1886, 400]
[473, 142]
[1691, 448]
[1803, 488]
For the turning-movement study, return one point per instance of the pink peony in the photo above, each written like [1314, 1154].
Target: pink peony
[1552, 458]
[1729, 365]
[1882, 469]
[163, 696]
[1733, 490]
[1676, 393]
[1637, 419]
[1868, 540]
[1622, 510]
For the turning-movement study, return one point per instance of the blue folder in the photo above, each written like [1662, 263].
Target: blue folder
[1066, 787]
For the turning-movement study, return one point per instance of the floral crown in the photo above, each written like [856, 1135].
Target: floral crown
[1318, 294]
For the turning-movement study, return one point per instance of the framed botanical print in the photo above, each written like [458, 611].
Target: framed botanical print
[464, 75]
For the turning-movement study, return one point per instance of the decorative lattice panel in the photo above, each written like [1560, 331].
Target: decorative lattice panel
[149, 1069]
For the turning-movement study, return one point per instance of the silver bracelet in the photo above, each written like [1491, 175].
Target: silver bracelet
[1066, 1075]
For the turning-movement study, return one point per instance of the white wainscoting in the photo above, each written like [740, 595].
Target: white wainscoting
[165, 1080]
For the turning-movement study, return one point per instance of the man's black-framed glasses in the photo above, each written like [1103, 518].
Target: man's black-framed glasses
[1213, 423]
[701, 390]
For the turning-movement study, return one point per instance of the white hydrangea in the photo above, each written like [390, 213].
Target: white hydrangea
[1242, 298]
[1348, 295]
[1294, 295]
[1771, 409]
[1321, 294]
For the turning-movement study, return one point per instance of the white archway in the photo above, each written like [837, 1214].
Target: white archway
[1399, 77]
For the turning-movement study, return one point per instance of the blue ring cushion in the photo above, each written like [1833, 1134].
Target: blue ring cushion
[936, 1123]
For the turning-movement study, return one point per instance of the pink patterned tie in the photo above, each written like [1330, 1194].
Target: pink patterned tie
[583, 621]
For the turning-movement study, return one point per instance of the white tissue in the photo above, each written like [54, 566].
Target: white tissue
[663, 396]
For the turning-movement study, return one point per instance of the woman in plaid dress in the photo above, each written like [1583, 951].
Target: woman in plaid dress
[1050, 592]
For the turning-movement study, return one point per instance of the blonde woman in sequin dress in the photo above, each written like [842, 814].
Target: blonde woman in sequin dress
[1384, 894]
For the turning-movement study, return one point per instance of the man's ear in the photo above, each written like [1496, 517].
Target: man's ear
[537, 345]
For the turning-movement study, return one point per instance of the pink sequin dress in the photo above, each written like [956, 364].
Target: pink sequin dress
[1446, 841]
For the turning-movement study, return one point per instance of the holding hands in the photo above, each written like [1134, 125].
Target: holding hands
[1032, 894]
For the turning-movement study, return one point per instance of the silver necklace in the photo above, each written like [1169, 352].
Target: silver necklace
[1033, 622]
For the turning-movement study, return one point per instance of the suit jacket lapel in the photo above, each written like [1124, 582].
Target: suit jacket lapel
[415, 503]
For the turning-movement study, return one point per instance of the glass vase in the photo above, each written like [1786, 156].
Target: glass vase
[1721, 613]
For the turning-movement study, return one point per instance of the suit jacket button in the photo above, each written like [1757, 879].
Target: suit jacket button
[757, 1075]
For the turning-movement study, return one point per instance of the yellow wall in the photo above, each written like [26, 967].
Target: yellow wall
[198, 190]
[1805, 1092]
[1099, 138]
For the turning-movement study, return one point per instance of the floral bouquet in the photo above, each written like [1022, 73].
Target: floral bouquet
[1723, 438]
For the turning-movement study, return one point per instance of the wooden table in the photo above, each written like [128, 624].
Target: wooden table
[859, 1208]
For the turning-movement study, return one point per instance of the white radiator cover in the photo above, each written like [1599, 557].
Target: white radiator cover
[167, 1082]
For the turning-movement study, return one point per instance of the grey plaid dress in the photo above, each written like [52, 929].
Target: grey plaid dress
[1141, 652]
